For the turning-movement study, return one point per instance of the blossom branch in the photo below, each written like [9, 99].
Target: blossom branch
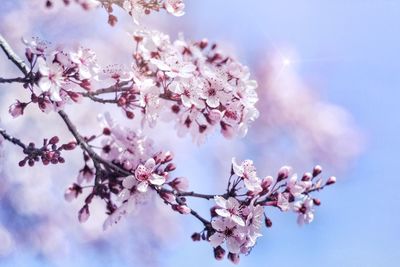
[12, 139]
[12, 56]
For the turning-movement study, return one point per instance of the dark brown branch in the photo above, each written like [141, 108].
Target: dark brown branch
[13, 80]
[83, 144]
[12, 139]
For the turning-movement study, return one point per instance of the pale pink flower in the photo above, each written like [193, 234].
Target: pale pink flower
[229, 208]
[17, 109]
[146, 176]
[247, 171]
[283, 201]
[175, 7]
[174, 67]
[305, 211]
[52, 78]
[226, 230]
[296, 188]
[86, 62]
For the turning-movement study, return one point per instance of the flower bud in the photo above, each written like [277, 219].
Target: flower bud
[219, 253]
[180, 184]
[317, 202]
[170, 167]
[167, 196]
[17, 109]
[266, 182]
[331, 180]
[234, 258]
[196, 237]
[72, 192]
[54, 140]
[83, 214]
[69, 146]
[317, 170]
[182, 209]
[283, 173]
[306, 177]
[268, 222]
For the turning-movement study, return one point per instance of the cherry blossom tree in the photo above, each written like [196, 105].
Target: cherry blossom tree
[192, 85]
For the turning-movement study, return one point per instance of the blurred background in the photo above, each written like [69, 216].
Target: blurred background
[328, 74]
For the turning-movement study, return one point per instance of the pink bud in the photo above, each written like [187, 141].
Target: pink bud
[268, 222]
[54, 140]
[307, 177]
[317, 202]
[72, 192]
[203, 43]
[83, 214]
[219, 253]
[17, 109]
[180, 183]
[331, 180]
[170, 167]
[266, 182]
[69, 146]
[283, 173]
[127, 165]
[182, 209]
[317, 170]
[196, 237]
[168, 156]
[234, 258]
[226, 130]
[167, 196]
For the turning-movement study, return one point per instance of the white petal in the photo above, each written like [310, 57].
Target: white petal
[150, 164]
[212, 102]
[233, 245]
[222, 212]
[129, 182]
[218, 224]
[142, 187]
[238, 220]
[220, 201]
[157, 179]
[237, 169]
[42, 66]
[44, 84]
[216, 239]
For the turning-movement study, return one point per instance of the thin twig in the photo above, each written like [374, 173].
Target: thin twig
[12, 56]
[12, 139]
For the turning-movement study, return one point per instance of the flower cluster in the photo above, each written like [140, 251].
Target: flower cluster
[144, 171]
[191, 83]
[239, 214]
[135, 8]
[49, 152]
[56, 76]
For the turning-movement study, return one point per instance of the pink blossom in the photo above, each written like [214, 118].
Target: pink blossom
[229, 208]
[17, 109]
[226, 230]
[175, 7]
[247, 171]
[146, 176]
[52, 78]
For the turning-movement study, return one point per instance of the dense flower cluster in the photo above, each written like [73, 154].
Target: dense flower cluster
[239, 214]
[146, 171]
[191, 83]
[56, 76]
[135, 8]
